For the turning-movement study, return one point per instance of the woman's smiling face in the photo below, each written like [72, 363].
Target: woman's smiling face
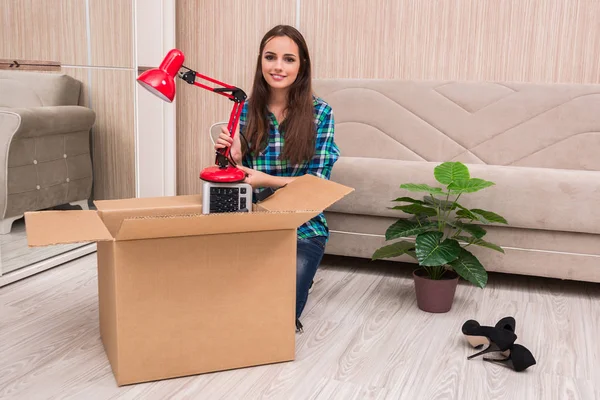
[280, 62]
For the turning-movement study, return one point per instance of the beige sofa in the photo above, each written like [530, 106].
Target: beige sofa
[538, 142]
[45, 156]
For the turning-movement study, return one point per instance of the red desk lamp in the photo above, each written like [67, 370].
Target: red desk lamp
[161, 82]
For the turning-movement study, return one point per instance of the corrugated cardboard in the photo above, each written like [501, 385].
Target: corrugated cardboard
[182, 293]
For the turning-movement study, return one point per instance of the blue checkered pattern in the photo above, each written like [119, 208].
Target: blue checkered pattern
[326, 154]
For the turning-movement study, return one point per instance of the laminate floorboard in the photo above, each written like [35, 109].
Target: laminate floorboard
[16, 253]
[364, 338]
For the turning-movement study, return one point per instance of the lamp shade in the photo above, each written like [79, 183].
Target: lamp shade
[161, 81]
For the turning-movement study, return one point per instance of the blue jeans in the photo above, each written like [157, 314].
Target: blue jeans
[308, 257]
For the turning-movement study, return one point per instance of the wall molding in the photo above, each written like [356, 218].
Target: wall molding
[29, 65]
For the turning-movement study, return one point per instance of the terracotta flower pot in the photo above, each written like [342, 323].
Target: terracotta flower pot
[435, 296]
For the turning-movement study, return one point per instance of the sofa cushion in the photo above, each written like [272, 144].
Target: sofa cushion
[494, 123]
[535, 198]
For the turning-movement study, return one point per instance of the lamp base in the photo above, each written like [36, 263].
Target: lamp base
[223, 175]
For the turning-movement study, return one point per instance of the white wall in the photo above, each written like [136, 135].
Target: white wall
[154, 36]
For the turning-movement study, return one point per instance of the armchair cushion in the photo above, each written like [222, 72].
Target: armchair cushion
[35, 89]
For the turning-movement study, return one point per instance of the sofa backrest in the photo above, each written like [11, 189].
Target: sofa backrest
[520, 124]
[23, 89]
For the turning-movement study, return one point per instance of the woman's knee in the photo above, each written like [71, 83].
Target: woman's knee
[308, 257]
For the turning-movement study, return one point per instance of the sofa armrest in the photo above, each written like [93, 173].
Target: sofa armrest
[39, 121]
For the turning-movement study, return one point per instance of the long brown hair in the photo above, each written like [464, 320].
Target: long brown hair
[299, 123]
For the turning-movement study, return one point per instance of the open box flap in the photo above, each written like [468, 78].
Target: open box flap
[150, 203]
[306, 192]
[45, 228]
[114, 218]
[210, 224]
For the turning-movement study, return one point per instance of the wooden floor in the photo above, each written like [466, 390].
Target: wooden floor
[15, 252]
[364, 339]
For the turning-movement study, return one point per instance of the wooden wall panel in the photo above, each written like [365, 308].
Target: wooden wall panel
[224, 47]
[44, 30]
[113, 133]
[73, 32]
[29, 30]
[510, 40]
[111, 33]
[57, 31]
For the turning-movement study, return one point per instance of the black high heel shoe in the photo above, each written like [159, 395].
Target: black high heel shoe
[519, 358]
[498, 339]
[470, 328]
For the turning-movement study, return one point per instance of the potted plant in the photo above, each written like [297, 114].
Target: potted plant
[442, 229]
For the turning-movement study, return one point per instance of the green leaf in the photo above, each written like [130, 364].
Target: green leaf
[421, 187]
[405, 228]
[469, 268]
[463, 208]
[443, 204]
[466, 239]
[468, 215]
[449, 172]
[416, 209]
[488, 216]
[409, 200]
[393, 250]
[431, 253]
[483, 243]
[422, 219]
[475, 230]
[469, 185]
[480, 242]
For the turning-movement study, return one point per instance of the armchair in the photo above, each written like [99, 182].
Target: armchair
[45, 158]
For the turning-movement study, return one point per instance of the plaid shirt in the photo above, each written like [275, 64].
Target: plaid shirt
[326, 154]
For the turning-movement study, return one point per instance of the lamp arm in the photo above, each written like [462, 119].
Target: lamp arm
[233, 93]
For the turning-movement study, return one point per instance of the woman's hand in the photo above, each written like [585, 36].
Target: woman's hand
[255, 178]
[225, 140]
[258, 179]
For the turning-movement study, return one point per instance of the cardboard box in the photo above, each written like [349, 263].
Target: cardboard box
[182, 293]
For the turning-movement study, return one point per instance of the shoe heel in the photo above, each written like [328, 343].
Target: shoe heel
[500, 340]
[492, 348]
[519, 359]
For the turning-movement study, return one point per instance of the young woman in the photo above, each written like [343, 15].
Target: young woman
[288, 132]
